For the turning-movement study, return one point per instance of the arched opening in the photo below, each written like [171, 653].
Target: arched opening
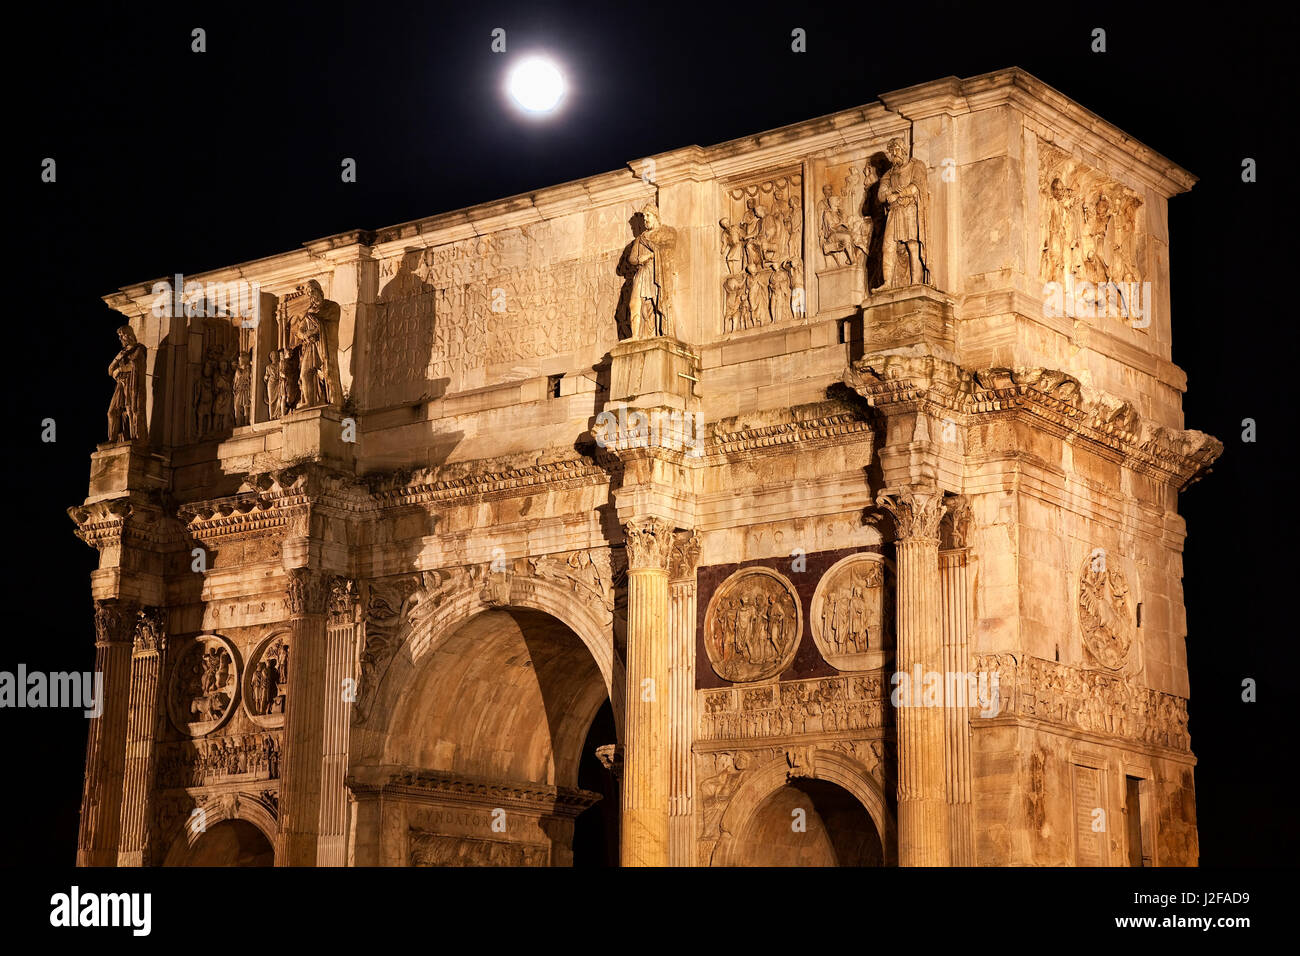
[490, 736]
[228, 843]
[809, 823]
[595, 832]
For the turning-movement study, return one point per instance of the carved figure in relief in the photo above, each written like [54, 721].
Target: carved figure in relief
[763, 251]
[733, 245]
[735, 308]
[223, 405]
[904, 192]
[837, 239]
[126, 418]
[243, 389]
[207, 685]
[1104, 615]
[652, 254]
[751, 628]
[274, 385]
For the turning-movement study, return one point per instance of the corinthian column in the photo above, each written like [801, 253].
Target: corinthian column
[956, 660]
[922, 800]
[141, 728]
[101, 800]
[644, 839]
[681, 697]
[304, 720]
[340, 646]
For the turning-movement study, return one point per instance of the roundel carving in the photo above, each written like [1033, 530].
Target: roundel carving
[850, 623]
[1104, 614]
[752, 627]
[204, 685]
[266, 681]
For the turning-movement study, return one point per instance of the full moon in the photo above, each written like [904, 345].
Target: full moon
[537, 85]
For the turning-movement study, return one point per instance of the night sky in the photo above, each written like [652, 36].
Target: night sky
[171, 161]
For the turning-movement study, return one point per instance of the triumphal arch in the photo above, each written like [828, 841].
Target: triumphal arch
[807, 499]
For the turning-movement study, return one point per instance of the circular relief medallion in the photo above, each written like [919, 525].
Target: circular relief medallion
[266, 681]
[204, 685]
[752, 627]
[849, 620]
[1104, 616]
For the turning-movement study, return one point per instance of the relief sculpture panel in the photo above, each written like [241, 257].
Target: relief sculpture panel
[483, 309]
[850, 623]
[762, 247]
[752, 627]
[204, 686]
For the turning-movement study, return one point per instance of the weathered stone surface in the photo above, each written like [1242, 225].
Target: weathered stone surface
[822, 477]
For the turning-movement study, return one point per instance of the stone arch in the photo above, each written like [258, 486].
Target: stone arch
[423, 633]
[185, 839]
[826, 765]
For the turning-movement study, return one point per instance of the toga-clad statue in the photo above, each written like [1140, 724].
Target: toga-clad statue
[904, 192]
[652, 255]
[126, 421]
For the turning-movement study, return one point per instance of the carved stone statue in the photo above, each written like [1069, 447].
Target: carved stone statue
[126, 420]
[652, 254]
[904, 191]
[274, 386]
[308, 373]
[243, 389]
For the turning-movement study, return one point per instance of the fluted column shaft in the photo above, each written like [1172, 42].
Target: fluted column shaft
[644, 837]
[923, 830]
[681, 671]
[304, 721]
[956, 659]
[340, 638]
[101, 801]
[141, 734]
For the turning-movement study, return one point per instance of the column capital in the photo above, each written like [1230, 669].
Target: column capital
[306, 592]
[115, 621]
[649, 543]
[151, 630]
[917, 511]
[344, 599]
[684, 557]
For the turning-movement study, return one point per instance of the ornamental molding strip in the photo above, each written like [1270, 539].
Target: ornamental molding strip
[1050, 397]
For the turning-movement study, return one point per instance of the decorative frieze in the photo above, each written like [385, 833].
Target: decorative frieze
[1088, 701]
[792, 708]
[220, 759]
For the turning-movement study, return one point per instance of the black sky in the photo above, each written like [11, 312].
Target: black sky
[171, 161]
